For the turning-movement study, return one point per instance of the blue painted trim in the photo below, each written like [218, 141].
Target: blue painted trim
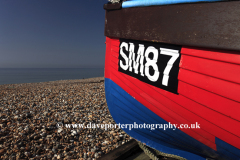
[144, 3]
[228, 150]
[126, 110]
[158, 139]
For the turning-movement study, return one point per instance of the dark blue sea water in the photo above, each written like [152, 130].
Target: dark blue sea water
[31, 75]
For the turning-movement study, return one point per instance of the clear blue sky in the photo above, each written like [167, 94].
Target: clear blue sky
[52, 33]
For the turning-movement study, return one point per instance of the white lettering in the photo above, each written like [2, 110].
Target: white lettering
[138, 62]
[153, 63]
[175, 55]
[135, 61]
[131, 56]
[141, 53]
[124, 67]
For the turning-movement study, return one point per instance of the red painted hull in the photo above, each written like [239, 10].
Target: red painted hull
[208, 93]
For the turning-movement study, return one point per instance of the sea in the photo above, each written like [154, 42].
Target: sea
[32, 75]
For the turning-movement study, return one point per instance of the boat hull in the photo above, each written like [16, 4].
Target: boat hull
[207, 93]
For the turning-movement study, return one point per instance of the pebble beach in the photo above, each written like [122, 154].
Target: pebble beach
[30, 115]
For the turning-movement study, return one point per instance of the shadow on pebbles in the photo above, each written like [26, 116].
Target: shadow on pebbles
[42, 120]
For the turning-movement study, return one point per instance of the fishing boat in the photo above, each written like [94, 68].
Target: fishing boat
[176, 63]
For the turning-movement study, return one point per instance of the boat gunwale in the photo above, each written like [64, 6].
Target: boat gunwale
[205, 25]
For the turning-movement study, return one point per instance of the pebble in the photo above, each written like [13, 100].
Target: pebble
[30, 112]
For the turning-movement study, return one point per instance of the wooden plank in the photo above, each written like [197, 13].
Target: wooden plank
[211, 100]
[121, 152]
[217, 55]
[208, 25]
[221, 70]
